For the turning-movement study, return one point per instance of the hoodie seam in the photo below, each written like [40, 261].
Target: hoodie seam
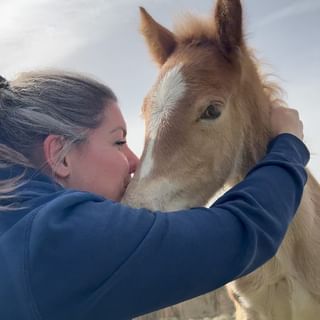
[27, 282]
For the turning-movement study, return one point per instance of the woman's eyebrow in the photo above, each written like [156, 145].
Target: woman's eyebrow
[121, 129]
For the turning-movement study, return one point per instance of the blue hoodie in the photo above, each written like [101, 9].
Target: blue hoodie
[67, 254]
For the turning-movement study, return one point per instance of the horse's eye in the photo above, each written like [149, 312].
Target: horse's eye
[212, 112]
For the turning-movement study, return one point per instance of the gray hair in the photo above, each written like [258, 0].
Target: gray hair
[37, 104]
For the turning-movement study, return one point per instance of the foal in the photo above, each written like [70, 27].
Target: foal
[207, 123]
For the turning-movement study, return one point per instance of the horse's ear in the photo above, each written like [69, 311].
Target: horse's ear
[161, 42]
[228, 20]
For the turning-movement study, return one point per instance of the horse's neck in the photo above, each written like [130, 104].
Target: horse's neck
[308, 216]
[301, 246]
[298, 257]
[313, 186]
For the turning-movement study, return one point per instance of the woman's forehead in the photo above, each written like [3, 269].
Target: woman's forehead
[113, 119]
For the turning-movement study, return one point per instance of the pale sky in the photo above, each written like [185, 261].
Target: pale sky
[101, 38]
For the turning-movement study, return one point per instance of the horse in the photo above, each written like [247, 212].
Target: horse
[207, 120]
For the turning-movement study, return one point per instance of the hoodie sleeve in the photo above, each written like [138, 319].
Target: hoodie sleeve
[90, 258]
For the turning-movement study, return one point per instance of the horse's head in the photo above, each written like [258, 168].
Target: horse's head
[206, 115]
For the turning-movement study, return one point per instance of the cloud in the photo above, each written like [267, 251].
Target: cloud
[292, 10]
[40, 33]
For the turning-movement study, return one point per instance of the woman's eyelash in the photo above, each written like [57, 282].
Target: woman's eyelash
[121, 142]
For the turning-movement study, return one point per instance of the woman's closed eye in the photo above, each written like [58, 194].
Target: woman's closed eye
[120, 143]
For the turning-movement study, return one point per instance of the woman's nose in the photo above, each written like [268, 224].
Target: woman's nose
[133, 161]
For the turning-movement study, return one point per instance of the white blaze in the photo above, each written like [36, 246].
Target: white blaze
[170, 90]
[147, 161]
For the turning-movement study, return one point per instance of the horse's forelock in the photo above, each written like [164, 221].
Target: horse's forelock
[192, 29]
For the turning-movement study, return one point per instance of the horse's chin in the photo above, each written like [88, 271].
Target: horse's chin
[171, 200]
[163, 206]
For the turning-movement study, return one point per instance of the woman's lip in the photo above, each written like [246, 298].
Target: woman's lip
[127, 183]
[125, 186]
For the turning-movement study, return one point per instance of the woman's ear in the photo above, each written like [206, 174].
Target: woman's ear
[52, 146]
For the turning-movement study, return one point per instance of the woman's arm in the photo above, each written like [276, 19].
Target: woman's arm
[102, 260]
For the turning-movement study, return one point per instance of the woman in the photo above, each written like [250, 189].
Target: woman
[70, 250]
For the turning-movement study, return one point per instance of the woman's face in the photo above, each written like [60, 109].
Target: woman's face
[104, 164]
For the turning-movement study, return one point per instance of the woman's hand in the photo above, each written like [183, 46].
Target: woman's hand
[286, 120]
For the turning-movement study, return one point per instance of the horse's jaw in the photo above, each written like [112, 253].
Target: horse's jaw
[162, 194]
